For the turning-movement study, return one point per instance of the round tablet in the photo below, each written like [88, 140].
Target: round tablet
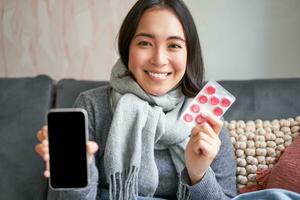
[202, 99]
[188, 118]
[214, 100]
[210, 90]
[225, 102]
[195, 108]
[218, 111]
[200, 119]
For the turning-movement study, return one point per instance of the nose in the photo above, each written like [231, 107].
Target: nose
[159, 57]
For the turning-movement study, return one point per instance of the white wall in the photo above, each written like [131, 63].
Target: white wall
[244, 39]
[241, 39]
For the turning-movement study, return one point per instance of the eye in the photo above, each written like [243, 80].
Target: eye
[175, 46]
[144, 43]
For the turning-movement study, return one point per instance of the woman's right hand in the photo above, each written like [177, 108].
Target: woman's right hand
[43, 150]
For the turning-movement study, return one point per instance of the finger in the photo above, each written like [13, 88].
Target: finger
[201, 146]
[43, 133]
[205, 137]
[205, 128]
[213, 141]
[43, 152]
[39, 135]
[46, 157]
[45, 146]
[47, 171]
[39, 149]
[215, 123]
[206, 149]
[196, 130]
[92, 147]
[42, 148]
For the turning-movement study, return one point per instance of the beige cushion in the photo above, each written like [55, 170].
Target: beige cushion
[257, 144]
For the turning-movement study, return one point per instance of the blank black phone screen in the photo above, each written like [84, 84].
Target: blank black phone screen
[67, 149]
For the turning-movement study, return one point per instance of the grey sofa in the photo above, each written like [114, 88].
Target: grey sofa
[24, 102]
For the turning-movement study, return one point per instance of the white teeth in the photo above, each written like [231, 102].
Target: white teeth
[158, 75]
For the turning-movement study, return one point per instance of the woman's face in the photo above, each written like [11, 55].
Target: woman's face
[158, 53]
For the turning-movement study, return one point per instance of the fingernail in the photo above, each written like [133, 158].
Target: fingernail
[200, 119]
[46, 157]
[46, 174]
[203, 114]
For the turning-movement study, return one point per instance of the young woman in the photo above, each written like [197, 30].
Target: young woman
[152, 154]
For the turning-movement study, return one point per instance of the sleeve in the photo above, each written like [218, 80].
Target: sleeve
[219, 181]
[84, 102]
[89, 192]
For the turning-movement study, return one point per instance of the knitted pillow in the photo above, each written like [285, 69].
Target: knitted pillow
[283, 174]
[258, 145]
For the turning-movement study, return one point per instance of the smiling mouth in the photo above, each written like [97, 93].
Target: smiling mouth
[161, 75]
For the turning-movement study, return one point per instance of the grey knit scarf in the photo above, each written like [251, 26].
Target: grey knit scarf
[142, 123]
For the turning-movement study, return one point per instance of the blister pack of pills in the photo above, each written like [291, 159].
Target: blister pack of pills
[213, 99]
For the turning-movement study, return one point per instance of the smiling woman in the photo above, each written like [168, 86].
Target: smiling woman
[182, 35]
[145, 150]
[158, 52]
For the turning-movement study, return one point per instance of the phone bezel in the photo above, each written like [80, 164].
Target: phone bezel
[84, 112]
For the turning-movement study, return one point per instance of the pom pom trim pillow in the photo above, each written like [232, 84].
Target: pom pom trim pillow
[258, 145]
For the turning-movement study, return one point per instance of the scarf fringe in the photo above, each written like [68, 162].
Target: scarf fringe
[124, 185]
[183, 192]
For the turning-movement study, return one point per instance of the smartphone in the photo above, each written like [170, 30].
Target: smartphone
[67, 135]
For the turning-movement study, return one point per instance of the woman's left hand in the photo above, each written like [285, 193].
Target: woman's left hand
[203, 147]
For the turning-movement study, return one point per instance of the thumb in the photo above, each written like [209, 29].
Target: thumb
[214, 122]
[91, 148]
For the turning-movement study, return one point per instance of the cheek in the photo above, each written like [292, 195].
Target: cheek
[180, 62]
[131, 58]
[135, 58]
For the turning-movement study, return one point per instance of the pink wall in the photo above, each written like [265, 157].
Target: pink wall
[73, 38]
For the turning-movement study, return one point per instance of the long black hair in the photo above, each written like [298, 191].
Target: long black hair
[194, 73]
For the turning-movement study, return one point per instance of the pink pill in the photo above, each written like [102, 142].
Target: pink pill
[195, 108]
[210, 90]
[188, 118]
[218, 111]
[202, 99]
[225, 102]
[214, 100]
[200, 119]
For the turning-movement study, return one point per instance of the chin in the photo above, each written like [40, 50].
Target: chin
[157, 92]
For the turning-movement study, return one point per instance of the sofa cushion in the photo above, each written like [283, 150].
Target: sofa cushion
[264, 99]
[24, 102]
[283, 175]
[68, 90]
[258, 144]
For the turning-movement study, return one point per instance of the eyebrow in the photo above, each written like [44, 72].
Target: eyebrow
[152, 36]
